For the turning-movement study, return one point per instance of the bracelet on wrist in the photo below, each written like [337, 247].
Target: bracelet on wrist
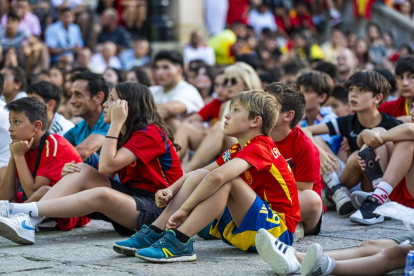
[111, 137]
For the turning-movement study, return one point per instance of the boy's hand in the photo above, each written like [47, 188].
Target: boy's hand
[70, 168]
[162, 197]
[177, 219]
[372, 138]
[20, 148]
[344, 145]
[119, 112]
[328, 162]
[362, 162]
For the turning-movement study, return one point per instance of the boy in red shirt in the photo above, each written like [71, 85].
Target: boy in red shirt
[301, 154]
[251, 182]
[37, 156]
[400, 108]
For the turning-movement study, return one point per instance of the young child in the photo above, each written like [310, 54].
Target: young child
[36, 155]
[317, 87]
[251, 182]
[137, 147]
[339, 101]
[301, 155]
[404, 73]
[50, 95]
[370, 258]
[367, 89]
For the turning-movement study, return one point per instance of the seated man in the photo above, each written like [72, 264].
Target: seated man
[89, 92]
[37, 156]
[251, 182]
[173, 96]
[301, 155]
[50, 95]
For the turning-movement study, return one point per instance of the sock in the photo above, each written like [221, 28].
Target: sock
[330, 265]
[25, 208]
[155, 229]
[382, 191]
[183, 238]
[375, 182]
[36, 221]
[331, 179]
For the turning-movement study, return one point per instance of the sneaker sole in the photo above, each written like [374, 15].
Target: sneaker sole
[127, 251]
[309, 262]
[365, 222]
[9, 233]
[264, 246]
[190, 258]
[299, 234]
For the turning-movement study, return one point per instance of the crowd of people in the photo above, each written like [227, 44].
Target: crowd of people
[249, 137]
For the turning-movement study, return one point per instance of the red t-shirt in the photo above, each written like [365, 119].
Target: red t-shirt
[270, 176]
[303, 158]
[56, 152]
[237, 11]
[395, 108]
[157, 166]
[210, 111]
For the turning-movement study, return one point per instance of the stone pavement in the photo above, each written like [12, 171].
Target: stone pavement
[88, 251]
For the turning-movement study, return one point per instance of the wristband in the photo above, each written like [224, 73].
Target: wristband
[112, 137]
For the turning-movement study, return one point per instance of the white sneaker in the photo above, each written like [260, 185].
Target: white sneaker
[18, 229]
[4, 208]
[316, 263]
[299, 232]
[340, 195]
[277, 254]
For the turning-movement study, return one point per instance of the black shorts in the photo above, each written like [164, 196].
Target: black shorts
[145, 204]
[318, 227]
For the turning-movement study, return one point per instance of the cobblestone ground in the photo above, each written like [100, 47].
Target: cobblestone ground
[88, 251]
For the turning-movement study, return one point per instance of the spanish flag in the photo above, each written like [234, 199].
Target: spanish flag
[362, 8]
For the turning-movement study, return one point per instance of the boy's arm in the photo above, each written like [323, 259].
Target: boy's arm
[373, 138]
[9, 183]
[405, 119]
[214, 180]
[318, 129]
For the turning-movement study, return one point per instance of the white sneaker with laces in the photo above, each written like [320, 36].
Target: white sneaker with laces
[17, 228]
[277, 254]
[4, 208]
[316, 263]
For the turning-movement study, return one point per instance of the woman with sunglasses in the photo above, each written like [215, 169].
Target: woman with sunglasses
[237, 78]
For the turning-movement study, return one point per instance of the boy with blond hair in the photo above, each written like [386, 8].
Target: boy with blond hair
[249, 187]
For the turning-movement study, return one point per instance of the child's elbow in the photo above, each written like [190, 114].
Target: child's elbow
[104, 169]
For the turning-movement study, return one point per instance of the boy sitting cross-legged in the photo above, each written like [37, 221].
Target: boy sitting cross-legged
[249, 187]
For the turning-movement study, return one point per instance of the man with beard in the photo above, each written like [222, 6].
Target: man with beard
[346, 65]
[111, 31]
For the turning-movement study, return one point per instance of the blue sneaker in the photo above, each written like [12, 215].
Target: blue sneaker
[168, 250]
[141, 239]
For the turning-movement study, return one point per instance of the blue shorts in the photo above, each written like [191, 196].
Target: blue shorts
[259, 216]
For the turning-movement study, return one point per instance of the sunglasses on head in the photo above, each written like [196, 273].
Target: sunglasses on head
[231, 81]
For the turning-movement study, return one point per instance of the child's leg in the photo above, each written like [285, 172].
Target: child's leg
[238, 196]
[385, 261]
[36, 196]
[401, 164]
[188, 136]
[87, 178]
[310, 209]
[183, 194]
[209, 148]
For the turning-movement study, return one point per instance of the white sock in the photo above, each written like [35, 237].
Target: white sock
[36, 221]
[375, 182]
[25, 208]
[382, 191]
[331, 179]
[330, 265]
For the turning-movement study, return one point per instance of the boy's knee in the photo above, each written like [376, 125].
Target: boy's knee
[352, 161]
[102, 194]
[310, 201]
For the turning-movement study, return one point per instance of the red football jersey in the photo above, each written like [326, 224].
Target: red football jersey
[396, 108]
[157, 166]
[270, 177]
[210, 111]
[57, 151]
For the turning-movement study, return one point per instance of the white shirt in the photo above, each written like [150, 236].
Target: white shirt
[203, 52]
[262, 20]
[60, 125]
[18, 96]
[183, 92]
[4, 135]
[99, 65]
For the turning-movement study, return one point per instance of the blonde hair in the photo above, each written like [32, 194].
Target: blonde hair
[259, 103]
[246, 73]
